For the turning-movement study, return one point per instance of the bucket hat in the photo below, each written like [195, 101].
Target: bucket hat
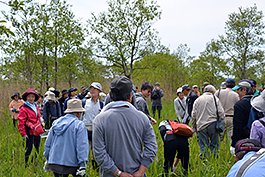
[258, 102]
[96, 85]
[74, 105]
[51, 96]
[16, 94]
[29, 91]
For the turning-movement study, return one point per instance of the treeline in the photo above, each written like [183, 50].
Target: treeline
[52, 48]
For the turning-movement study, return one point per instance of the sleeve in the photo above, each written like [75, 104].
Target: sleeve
[48, 143]
[22, 117]
[176, 109]
[10, 106]
[237, 124]
[99, 149]
[59, 109]
[65, 104]
[254, 133]
[161, 93]
[193, 114]
[82, 145]
[150, 146]
[134, 101]
[107, 100]
[45, 115]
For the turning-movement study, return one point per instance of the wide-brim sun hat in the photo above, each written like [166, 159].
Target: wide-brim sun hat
[258, 102]
[30, 91]
[16, 94]
[51, 96]
[74, 105]
[96, 85]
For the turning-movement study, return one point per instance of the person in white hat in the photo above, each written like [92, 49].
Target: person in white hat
[180, 106]
[258, 126]
[66, 147]
[51, 110]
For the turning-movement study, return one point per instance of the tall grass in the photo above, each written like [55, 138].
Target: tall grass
[12, 153]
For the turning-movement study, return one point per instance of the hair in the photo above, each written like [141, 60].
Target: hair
[146, 85]
[188, 89]
[230, 85]
[114, 96]
[249, 90]
[241, 154]
[74, 113]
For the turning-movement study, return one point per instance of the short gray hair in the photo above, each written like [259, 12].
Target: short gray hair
[209, 88]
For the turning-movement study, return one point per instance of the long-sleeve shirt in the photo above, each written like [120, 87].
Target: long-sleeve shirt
[180, 108]
[142, 104]
[16, 105]
[258, 131]
[51, 110]
[204, 111]
[119, 134]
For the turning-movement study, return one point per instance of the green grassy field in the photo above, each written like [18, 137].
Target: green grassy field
[12, 153]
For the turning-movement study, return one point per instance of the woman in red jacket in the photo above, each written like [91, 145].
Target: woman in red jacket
[29, 115]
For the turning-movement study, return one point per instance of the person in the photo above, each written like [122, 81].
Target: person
[204, 117]
[66, 147]
[173, 143]
[51, 110]
[254, 87]
[71, 95]
[62, 99]
[156, 96]
[146, 90]
[29, 114]
[195, 90]
[82, 94]
[250, 159]
[191, 97]
[39, 103]
[92, 107]
[241, 112]
[124, 143]
[258, 126]
[180, 106]
[228, 98]
[14, 106]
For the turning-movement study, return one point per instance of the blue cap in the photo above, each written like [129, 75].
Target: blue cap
[242, 84]
[230, 80]
[157, 84]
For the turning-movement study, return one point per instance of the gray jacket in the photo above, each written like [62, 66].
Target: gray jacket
[156, 96]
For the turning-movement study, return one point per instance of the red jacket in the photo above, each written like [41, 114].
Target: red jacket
[27, 117]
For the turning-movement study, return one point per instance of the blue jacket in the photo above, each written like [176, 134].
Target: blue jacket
[67, 142]
[51, 110]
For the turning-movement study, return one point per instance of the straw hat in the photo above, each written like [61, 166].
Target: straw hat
[258, 102]
[74, 105]
[51, 96]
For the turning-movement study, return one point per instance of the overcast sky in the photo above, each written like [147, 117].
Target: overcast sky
[191, 22]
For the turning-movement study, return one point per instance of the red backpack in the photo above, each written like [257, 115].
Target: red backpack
[181, 129]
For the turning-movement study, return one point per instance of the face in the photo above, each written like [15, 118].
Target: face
[65, 95]
[83, 91]
[94, 92]
[51, 101]
[185, 92]
[16, 97]
[146, 93]
[31, 98]
[242, 92]
[73, 93]
[157, 87]
[181, 95]
[39, 100]
[195, 90]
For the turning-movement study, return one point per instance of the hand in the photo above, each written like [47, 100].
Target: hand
[25, 137]
[124, 174]
[81, 171]
[46, 167]
[13, 110]
[138, 174]
[232, 150]
[153, 121]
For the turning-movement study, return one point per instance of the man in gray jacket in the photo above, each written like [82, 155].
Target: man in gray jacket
[124, 142]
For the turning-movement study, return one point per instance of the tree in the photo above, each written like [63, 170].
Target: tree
[124, 33]
[242, 41]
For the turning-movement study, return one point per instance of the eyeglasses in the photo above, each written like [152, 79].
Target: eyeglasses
[149, 91]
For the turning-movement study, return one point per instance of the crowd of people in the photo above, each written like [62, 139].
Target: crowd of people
[117, 128]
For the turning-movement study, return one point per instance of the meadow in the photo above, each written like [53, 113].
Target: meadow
[12, 153]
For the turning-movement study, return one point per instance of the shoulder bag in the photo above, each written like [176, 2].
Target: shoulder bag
[220, 124]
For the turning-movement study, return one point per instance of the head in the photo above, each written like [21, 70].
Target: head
[254, 84]
[230, 82]
[95, 88]
[243, 88]
[64, 93]
[244, 146]
[258, 102]
[186, 89]
[72, 92]
[57, 93]
[195, 88]
[146, 89]
[16, 96]
[82, 90]
[157, 86]
[30, 95]
[180, 94]
[51, 97]
[121, 89]
[210, 88]
[40, 98]
[205, 84]
[74, 106]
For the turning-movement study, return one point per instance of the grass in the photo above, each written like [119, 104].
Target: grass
[12, 153]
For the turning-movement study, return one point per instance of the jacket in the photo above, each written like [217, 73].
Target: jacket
[190, 100]
[67, 142]
[51, 110]
[156, 96]
[142, 104]
[27, 114]
[16, 105]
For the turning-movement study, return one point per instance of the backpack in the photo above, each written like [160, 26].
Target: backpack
[181, 129]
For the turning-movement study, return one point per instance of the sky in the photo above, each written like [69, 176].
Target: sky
[191, 22]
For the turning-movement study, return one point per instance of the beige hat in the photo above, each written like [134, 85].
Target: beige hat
[209, 88]
[74, 105]
[47, 93]
[51, 89]
[51, 96]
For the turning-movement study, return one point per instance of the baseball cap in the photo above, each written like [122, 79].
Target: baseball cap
[96, 85]
[121, 85]
[242, 84]
[230, 80]
[247, 145]
[72, 89]
[195, 86]
[185, 87]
